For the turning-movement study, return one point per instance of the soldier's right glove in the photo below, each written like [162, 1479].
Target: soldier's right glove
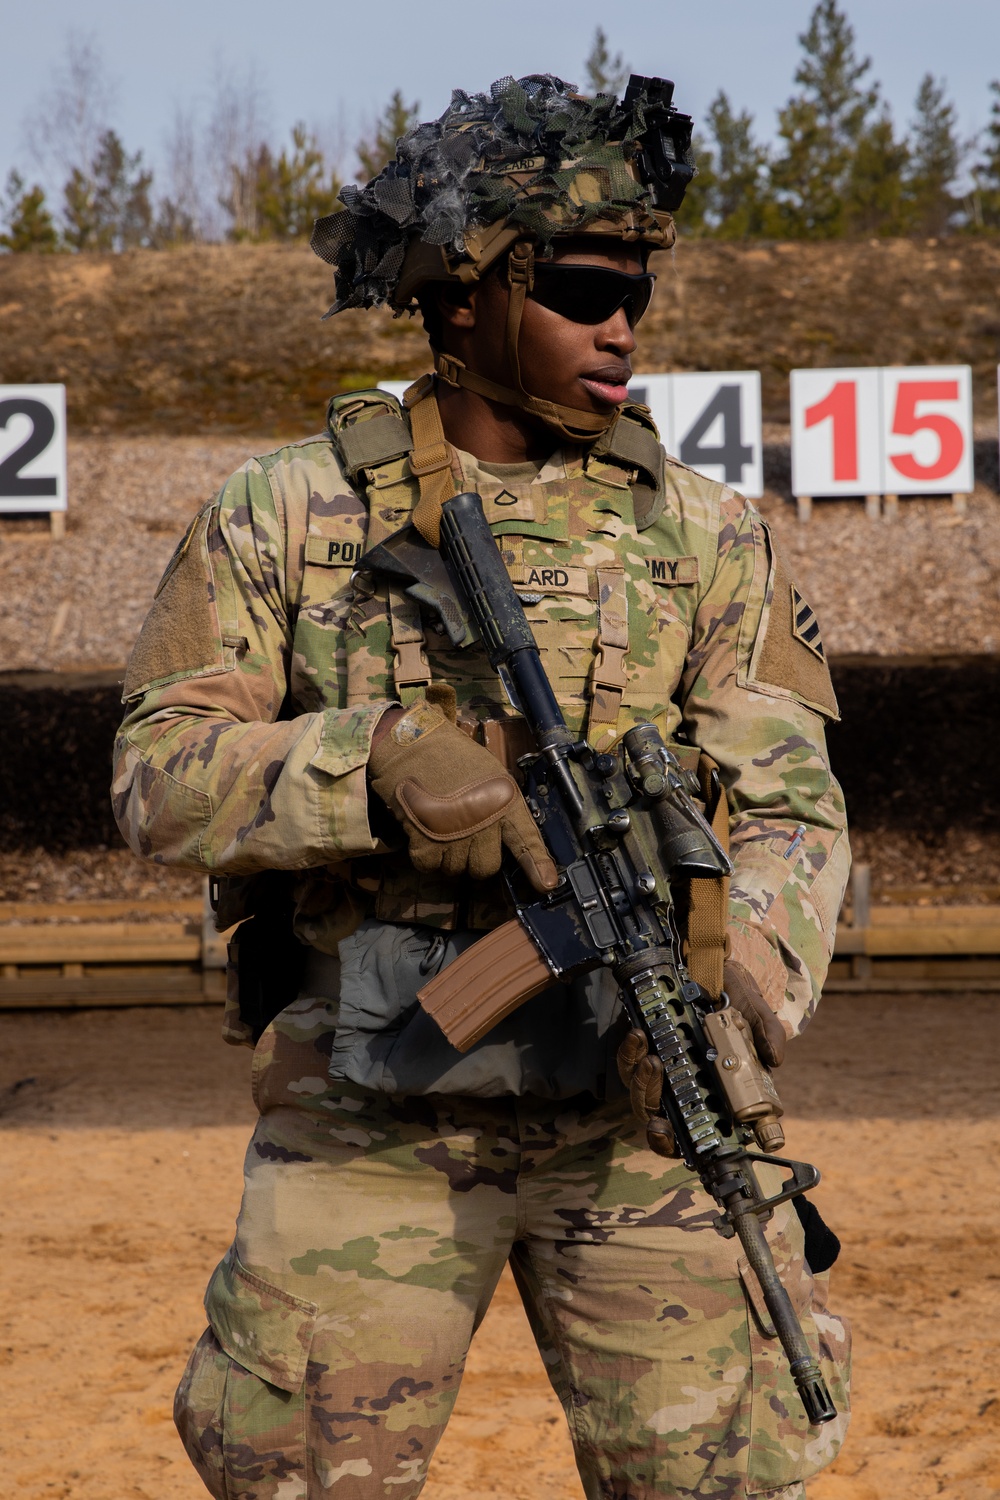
[457, 804]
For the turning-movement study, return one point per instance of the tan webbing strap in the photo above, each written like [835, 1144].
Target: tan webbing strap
[708, 908]
[410, 669]
[575, 425]
[608, 678]
[430, 459]
[520, 279]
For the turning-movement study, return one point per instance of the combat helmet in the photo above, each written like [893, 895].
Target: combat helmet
[506, 173]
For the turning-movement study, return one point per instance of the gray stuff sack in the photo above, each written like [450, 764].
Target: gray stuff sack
[558, 1044]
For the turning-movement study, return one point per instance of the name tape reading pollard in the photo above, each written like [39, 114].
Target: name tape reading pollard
[32, 448]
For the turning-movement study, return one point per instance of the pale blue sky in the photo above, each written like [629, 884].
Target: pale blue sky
[334, 64]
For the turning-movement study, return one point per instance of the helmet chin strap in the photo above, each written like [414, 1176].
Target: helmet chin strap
[569, 422]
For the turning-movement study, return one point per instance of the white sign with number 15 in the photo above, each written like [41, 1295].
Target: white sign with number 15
[904, 431]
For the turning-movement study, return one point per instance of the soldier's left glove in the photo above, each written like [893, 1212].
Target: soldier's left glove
[765, 1028]
[642, 1074]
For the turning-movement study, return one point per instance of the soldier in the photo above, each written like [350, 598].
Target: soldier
[285, 713]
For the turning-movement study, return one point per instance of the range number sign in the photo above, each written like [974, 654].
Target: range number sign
[32, 447]
[898, 431]
[927, 430]
[711, 422]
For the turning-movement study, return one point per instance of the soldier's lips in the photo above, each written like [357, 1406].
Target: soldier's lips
[613, 392]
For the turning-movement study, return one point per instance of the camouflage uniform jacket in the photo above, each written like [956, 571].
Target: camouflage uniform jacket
[261, 671]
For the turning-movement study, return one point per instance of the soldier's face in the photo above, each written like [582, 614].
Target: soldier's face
[583, 365]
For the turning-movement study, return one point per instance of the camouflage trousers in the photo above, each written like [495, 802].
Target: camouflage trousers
[373, 1232]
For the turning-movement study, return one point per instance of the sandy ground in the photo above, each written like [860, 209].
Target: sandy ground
[124, 1134]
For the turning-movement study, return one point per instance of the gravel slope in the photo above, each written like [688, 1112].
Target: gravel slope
[927, 583]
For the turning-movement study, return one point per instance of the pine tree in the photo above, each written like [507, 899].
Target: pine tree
[174, 226]
[107, 207]
[27, 223]
[821, 128]
[379, 147]
[736, 196]
[986, 210]
[605, 74]
[935, 160]
[294, 191]
[79, 211]
[696, 215]
[874, 191]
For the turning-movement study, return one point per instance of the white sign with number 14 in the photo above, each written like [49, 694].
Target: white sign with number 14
[711, 422]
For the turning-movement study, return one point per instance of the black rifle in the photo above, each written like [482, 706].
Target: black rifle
[622, 829]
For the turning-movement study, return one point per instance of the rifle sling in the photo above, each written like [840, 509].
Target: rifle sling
[708, 906]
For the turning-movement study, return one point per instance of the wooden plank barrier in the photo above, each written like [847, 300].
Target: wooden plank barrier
[924, 947]
[51, 956]
[101, 943]
[918, 931]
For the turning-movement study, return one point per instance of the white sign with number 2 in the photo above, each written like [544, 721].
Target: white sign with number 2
[32, 447]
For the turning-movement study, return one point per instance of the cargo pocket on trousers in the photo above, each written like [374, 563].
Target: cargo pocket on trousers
[784, 1446]
[262, 1336]
[198, 1411]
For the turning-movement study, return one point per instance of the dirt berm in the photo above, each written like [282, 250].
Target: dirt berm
[214, 337]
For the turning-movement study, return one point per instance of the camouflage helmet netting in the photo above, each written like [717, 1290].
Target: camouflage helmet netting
[456, 173]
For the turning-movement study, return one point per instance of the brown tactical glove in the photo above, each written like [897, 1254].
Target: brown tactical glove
[765, 1028]
[454, 799]
[642, 1073]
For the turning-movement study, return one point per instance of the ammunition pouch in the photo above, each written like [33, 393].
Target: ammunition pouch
[266, 961]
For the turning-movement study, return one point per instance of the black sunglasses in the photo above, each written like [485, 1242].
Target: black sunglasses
[591, 294]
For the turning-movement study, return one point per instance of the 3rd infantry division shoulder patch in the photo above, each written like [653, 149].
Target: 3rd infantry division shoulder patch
[805, 626]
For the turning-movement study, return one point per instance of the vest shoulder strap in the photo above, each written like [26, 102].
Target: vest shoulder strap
[367, 428]
[634, 441]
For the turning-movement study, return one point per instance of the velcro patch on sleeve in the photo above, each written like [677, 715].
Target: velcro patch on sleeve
[335, 551]
[790, 655]
[181, 636]
[673, 570]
